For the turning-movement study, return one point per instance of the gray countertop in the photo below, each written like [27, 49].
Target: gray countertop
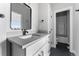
[26, 42]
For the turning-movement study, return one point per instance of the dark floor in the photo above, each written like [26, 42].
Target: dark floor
[60, 50]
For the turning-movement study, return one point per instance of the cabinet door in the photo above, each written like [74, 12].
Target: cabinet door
[31, 50]
[46, 49]
[39, 53]
[17, 50]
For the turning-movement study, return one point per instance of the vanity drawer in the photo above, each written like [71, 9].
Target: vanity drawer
[44, 51]
[31, 50]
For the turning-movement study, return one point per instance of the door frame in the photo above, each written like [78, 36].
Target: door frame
[71, 26]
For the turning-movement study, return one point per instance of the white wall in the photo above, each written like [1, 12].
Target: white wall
[3, 26]
[76, 29]
[56, 6]
[44, 14]
[34, 7]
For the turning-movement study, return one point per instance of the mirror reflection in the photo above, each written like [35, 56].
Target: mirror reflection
[20, 16]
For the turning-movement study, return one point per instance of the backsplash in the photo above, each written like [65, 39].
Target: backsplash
[13, 33]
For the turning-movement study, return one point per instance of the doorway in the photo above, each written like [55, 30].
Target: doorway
[63, 27]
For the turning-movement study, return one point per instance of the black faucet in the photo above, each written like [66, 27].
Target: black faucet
[24, 31]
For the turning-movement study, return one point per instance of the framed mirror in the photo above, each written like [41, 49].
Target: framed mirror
[20, 16]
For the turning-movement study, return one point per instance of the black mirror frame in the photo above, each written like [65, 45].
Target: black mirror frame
[11, 16]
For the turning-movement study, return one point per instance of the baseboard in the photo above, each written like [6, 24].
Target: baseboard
[73, 51]
[53, 46]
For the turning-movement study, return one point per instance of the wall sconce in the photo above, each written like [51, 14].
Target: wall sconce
[77, 10]
[2, 16]
[42, 20]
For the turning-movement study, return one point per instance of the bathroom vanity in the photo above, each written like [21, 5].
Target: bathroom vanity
[36, 45]
[27, 45]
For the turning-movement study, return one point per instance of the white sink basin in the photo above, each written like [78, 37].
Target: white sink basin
[25, 37]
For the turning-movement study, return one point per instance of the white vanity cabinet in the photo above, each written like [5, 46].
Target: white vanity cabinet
[40, 48]
[44, 51]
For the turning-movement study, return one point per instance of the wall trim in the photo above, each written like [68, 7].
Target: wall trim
[53, 46]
